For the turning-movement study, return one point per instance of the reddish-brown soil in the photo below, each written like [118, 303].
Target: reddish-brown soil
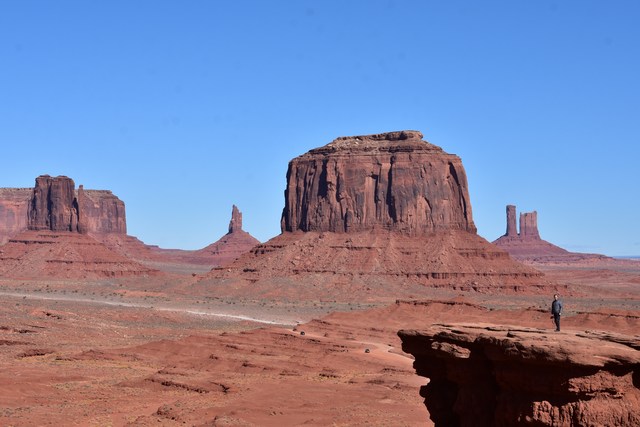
[144, 351]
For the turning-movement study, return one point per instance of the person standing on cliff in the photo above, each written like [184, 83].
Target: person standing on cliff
[556, 311]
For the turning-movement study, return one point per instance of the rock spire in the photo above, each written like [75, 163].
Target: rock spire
[236, 220]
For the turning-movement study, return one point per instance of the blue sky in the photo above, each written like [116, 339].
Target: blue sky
[183, 108]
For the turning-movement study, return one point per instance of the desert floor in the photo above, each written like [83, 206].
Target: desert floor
[108, 353]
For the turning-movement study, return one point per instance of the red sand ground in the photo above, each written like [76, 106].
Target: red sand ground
[99, 353]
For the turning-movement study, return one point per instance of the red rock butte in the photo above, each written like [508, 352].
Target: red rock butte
[46, 232]
[392, 181]
[54, 204]
[381, 215]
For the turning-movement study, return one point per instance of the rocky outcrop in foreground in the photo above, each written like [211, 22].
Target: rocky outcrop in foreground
[500, 376]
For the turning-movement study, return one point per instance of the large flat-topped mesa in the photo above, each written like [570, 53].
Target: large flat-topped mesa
[391, 181]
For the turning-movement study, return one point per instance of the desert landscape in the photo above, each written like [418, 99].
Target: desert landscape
[378, 304]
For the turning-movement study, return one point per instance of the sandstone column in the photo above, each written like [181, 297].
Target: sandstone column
[53, 205]
[236, 220]
[512, 229]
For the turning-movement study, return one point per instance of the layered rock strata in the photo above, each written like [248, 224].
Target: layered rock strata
[496, 375]
[46, 254]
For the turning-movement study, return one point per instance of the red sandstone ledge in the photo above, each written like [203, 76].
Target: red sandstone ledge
[485, 375]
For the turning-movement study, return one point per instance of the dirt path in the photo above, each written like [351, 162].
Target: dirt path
[100, 301]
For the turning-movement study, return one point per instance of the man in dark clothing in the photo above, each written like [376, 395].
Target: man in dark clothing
[556, 311]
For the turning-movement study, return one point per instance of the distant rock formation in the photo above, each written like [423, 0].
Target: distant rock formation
[528, 246]
[380, 215]
[391, 181]
[230, 246]
[496, 375]
[236, 220]
[55, 205]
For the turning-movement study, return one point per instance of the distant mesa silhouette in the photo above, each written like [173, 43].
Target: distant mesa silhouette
[527, 245]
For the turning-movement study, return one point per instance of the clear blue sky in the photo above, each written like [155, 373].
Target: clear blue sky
[183, 108]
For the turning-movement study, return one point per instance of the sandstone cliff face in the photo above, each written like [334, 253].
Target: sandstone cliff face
[101, 212]
[53, 205]
[391, 181]
[499, 376]
[40, 254]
